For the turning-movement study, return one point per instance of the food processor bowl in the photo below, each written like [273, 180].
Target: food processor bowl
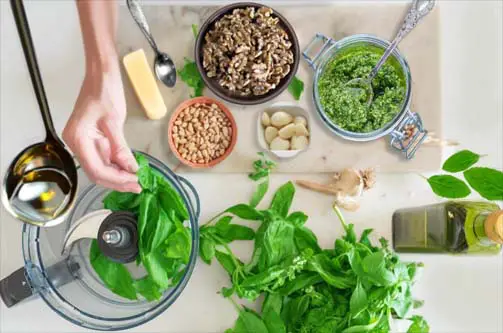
[83, 298]
[318, 54]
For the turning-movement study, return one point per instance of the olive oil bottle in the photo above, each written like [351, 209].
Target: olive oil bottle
[454, 227]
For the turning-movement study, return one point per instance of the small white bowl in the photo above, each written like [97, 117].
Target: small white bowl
[291, 109]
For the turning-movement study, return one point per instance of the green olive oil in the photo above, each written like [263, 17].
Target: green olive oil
[454, 227]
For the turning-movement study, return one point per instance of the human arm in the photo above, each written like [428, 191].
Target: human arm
[94, 131]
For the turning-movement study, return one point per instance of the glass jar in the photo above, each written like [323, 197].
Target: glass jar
[70, 286]
[405, 130]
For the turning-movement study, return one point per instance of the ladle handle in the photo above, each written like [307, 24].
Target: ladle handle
[418, 9]
[141, 20]
[31, 60]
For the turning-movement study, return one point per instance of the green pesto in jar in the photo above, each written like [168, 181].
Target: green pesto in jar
[350, 111]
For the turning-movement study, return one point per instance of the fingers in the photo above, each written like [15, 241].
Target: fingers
[120, 152]
[103, 174]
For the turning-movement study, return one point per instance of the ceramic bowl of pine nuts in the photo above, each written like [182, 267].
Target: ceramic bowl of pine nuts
[202, 132]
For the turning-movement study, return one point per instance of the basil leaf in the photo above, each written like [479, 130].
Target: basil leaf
[195, 29]
[116, 201]
[272, 302]
[297, 218]
[234, 232]
[487, 182]
[460, 161]
[249, 322]
[147, 288]
[358, 301]
[301, 281]
[278, 244]
[364, 238]
[191, 76]
[296, 87]
[170, 199]
[321, 264]
[447, 186]
[259, 193]
[245, 212]
[273, 322]
[147, 220]
[294, 310]
[282, 199]
[226, 261]
[206, 249]
[223, 221]
[375, 271]
[115, 276]
[306, 239]
[179, 244]
[419, 325]
[163, 228]
[155, 263]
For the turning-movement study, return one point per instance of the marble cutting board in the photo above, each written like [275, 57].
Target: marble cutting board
[171, 26]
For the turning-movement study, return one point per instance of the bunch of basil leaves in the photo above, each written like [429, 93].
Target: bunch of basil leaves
[354, 286]
[164, 242]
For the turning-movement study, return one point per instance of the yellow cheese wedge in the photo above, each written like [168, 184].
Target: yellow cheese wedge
[144, 84]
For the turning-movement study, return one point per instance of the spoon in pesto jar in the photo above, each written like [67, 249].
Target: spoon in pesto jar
[363, 86]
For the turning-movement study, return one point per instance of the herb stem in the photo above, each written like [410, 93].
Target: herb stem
[238, 307]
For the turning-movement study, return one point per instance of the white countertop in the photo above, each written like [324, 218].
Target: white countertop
[462, 294]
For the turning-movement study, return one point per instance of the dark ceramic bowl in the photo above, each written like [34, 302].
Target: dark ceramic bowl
[225, 93]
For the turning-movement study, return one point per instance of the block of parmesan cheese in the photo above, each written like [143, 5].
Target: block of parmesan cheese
[144, 84]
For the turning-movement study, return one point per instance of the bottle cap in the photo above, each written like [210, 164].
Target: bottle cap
[494, 226]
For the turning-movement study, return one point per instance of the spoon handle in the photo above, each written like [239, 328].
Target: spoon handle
[139, 17]
[418, 10]
[31, 60]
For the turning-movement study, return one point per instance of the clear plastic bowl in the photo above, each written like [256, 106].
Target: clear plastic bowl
[85, 301]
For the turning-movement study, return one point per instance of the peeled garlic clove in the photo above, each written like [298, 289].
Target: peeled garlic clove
[300, 120]
[266, 120]
[270, 133]
[280, 144]
[281, 118]
[299, 143]
[301, 130]
[288, 131]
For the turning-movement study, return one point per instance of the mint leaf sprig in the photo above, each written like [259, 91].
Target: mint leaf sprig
[485, 181]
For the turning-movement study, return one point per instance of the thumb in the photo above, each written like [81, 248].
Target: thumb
[120, 152]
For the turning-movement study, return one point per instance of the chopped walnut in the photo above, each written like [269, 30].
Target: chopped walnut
[248, 52]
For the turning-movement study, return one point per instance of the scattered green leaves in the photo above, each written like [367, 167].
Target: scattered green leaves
[164, 243]
[296, 87]
[191, 76]
[460, 161]
[262, 168]
[487, 182]
[354, 287]
[448, 186]
[195, 30]
[419, 325]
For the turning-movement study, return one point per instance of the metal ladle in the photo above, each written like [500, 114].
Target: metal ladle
[40, 185]
[164, 66]
[417, 10]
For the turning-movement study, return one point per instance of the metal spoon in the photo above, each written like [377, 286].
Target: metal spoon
[40, 185]
[164, 66]
[418, 10]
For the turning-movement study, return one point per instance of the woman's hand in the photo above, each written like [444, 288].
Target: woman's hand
[94, 131]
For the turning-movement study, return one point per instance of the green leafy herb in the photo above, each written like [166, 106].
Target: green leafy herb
[448, 186]
[353, 287]
[262, 169]
[419, 325]
[296, 87]
[460, 161]
[195, 30]
[164, 243]
[191, 76]
[487, 182]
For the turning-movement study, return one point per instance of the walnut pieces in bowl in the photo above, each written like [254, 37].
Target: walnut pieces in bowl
[202, 132]
[247, 53]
